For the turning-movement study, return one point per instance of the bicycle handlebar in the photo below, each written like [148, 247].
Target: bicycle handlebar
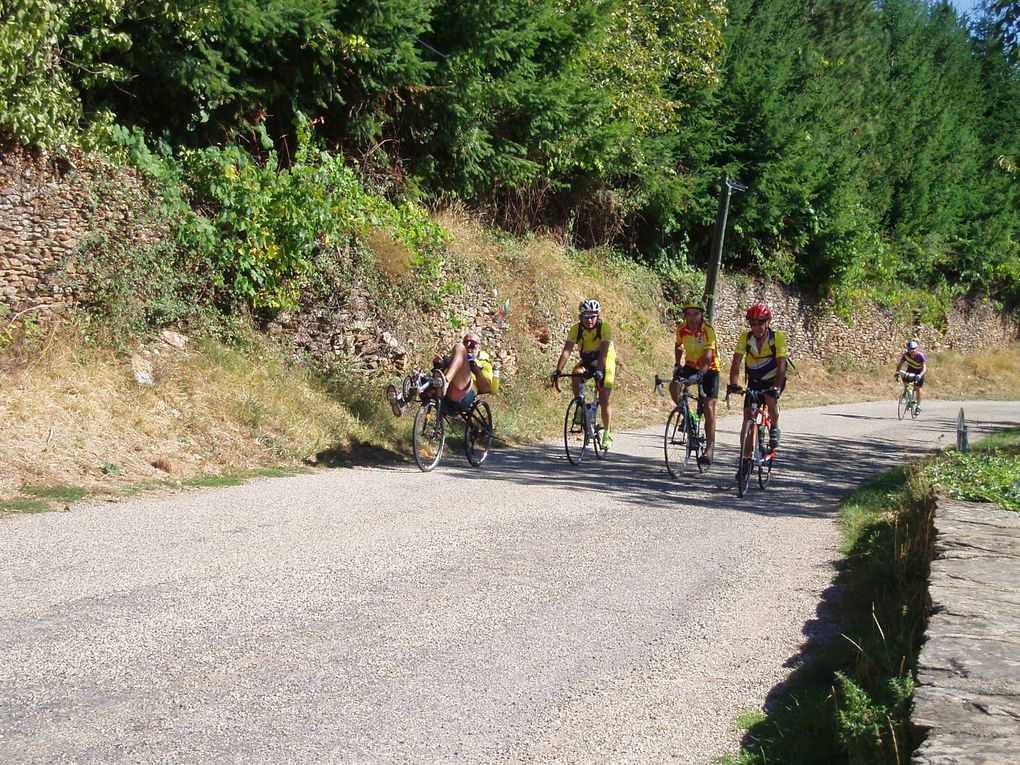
[585, 375]
[756, 395]
[685, 381]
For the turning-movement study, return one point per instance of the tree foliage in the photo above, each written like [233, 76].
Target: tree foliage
[879, 140]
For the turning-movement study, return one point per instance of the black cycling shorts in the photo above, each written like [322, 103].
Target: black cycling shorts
[709, 381]
[759, 387]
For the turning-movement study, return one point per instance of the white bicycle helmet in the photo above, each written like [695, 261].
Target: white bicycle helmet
[912, 345]
[589, 306]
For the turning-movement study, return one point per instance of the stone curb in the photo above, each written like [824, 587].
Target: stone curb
[968, 674]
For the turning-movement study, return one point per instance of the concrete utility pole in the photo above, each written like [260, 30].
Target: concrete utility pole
[715, 264]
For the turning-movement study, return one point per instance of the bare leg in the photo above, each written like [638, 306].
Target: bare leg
[710, 424]
[607, 409]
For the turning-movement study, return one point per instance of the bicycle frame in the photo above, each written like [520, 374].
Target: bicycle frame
[908, 399]
[753, 434]
[683, 437]
[577, 435]
[432, 417]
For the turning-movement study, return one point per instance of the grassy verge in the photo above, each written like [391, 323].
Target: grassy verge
[989, 473]
[849, 701]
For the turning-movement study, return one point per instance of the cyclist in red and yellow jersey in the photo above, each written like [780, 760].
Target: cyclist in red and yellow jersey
[765, 350]
[598, 354]
[697, 350]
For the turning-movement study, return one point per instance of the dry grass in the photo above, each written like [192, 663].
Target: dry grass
[75, 416]
[545, 283]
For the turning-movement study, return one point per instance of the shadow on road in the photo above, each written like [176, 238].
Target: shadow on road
[810, 471]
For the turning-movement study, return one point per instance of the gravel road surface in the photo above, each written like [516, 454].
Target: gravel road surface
[527, 611]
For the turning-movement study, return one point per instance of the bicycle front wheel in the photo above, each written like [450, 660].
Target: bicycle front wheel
[428, 436]
[478, 432]
[744, 462]
[764, 462]
[676, 439]
[575, 434]
[901, 405]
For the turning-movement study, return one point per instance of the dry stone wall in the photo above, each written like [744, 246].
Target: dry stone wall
[814, 330]
[48, 206]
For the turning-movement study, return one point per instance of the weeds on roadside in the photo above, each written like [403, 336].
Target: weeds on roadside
[849, 701]
[989, 473]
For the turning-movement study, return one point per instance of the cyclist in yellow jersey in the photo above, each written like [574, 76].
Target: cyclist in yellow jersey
[598, 354]
[765, 352]
[696, 347]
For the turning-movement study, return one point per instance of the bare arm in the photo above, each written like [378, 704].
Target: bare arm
[735, 368]
[780, 373]
[706, 361]
[568, 348]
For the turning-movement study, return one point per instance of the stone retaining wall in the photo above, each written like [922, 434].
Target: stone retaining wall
[815, 331]
[48, 206]
[968, 675]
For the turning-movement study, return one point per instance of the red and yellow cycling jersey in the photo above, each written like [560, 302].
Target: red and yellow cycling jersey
[760, 359]
[696, 342]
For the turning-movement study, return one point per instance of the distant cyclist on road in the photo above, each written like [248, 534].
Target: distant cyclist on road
[916, 364]
[598, 354]
[696, 348]
[765, 351]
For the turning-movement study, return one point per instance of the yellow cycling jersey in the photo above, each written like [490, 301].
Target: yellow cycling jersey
[696, 343]
[760, 360]
[589, 341]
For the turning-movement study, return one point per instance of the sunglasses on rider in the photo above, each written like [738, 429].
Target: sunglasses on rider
[756, 321]
[589, 315]
[472, 343]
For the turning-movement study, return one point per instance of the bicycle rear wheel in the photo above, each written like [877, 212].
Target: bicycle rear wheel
[575, 436]
[744, 463]
[695, 444]
[478, 432]
[428, 436]
[901, 405]
[675, 441]
[596, 442]
[764, 464]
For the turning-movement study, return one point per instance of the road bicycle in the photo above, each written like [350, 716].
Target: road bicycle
[581, 424]
[684, 438]
[907, 402]
[435, 413]
[754, 438]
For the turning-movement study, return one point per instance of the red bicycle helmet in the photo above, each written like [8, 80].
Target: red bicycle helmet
[759, 311]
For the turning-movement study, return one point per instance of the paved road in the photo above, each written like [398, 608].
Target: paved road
[528, 611]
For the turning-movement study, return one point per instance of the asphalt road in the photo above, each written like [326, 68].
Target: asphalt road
[527, 611]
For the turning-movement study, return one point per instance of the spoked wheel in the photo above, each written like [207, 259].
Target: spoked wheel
[744, 465]
[429, 435]
[596, 442]
[675, 443]
[575, 436]
[764, 465]
[901, 405]
[478, 432]
[695, 445]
